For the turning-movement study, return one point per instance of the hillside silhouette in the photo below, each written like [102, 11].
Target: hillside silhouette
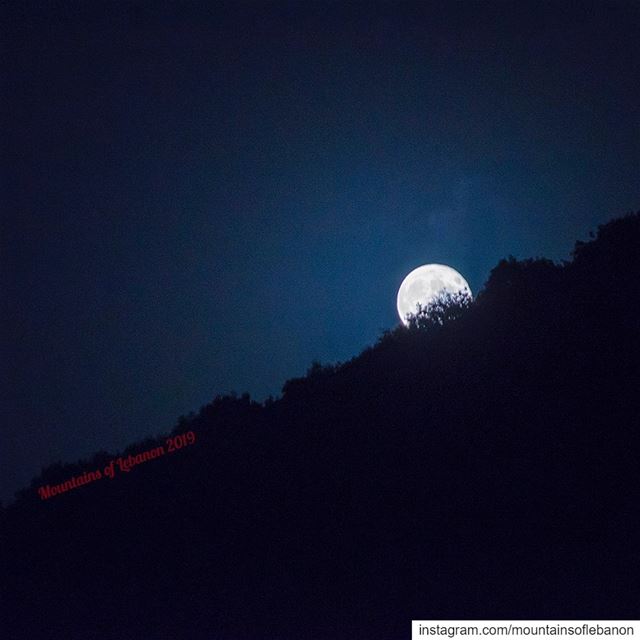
[481, 463]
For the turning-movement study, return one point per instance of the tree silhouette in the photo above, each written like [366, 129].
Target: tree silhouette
[445, 307]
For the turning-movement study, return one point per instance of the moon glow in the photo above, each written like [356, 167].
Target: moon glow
[426, 283]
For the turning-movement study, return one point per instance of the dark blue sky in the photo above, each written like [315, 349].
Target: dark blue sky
[197, 200]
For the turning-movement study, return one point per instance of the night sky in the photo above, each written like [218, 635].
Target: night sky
[199, 200]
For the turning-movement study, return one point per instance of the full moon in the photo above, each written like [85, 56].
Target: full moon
[426, 283]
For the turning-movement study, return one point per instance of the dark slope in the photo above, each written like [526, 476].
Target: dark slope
[487, 468]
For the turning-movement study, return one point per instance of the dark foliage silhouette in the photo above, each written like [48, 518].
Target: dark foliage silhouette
[443, 309]
[483, 463]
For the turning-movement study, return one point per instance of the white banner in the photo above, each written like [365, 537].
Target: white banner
[494, 629]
